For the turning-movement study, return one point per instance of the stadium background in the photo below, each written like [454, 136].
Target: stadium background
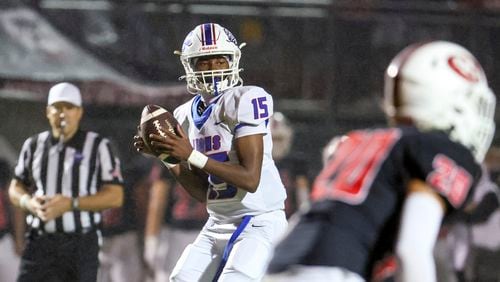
[322, 60]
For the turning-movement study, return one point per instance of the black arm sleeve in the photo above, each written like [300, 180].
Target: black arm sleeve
[489, 203]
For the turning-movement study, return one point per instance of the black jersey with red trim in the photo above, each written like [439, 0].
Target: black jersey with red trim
[358, 196]
[290, 168]
[183, 211]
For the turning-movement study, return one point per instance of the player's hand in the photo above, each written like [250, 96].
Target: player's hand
[171, 144]
[34, 205]
[54, 207]
[140, 146]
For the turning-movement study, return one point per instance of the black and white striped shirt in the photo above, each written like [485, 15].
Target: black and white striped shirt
[76, 168]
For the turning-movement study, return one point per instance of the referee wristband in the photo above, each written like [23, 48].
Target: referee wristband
[23, 201]
[197, 159]
[75, 203]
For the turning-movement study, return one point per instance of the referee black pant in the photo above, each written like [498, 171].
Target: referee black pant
[60, 257]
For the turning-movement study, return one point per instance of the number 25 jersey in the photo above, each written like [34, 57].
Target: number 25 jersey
[237, 112]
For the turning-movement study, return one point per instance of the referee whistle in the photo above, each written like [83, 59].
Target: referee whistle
[62, 125]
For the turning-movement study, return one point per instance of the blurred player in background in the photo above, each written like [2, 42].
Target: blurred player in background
[9, 258]
[387, 190]
[485, 234]
[471, 243]
[293, 169]
[173, 221]
[230, 167]
[120, 254]
[64, 177]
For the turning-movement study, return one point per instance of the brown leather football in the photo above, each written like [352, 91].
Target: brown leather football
[157, 120]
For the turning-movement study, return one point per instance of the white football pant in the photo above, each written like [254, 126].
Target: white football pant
[248, 259]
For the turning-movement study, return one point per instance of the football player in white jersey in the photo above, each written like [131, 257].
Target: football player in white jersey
[224, 144]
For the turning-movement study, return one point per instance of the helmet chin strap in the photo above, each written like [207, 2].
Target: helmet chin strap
[208, 95]
[216, 81]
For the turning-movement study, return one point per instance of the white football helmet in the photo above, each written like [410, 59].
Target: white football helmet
[210, 39]
[331, 147]
[440, 85]
[282, 135]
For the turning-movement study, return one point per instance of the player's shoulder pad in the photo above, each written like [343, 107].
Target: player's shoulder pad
[182, 112]
[248, 105]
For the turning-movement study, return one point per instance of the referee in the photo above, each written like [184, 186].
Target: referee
[63, 179]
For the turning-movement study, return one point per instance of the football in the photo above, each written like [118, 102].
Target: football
[157, 120]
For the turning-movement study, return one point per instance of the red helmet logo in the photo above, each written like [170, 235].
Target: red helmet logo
[466, 67]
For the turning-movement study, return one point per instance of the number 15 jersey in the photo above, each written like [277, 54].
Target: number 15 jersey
[237, 112]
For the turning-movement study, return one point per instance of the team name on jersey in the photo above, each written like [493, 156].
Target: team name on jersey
[207, 143]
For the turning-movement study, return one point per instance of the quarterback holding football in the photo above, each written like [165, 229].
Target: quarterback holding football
[224, 145]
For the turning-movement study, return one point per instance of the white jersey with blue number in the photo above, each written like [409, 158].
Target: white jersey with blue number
[239, 111]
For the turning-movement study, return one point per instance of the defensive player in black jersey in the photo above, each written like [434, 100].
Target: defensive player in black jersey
[386, 191]
[293, 168]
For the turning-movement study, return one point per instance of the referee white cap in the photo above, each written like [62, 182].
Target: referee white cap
[65, 92]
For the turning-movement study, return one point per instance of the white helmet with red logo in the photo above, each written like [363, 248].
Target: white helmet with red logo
[282, 134]
[210, 39]
[331, 147]
[440, 85]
